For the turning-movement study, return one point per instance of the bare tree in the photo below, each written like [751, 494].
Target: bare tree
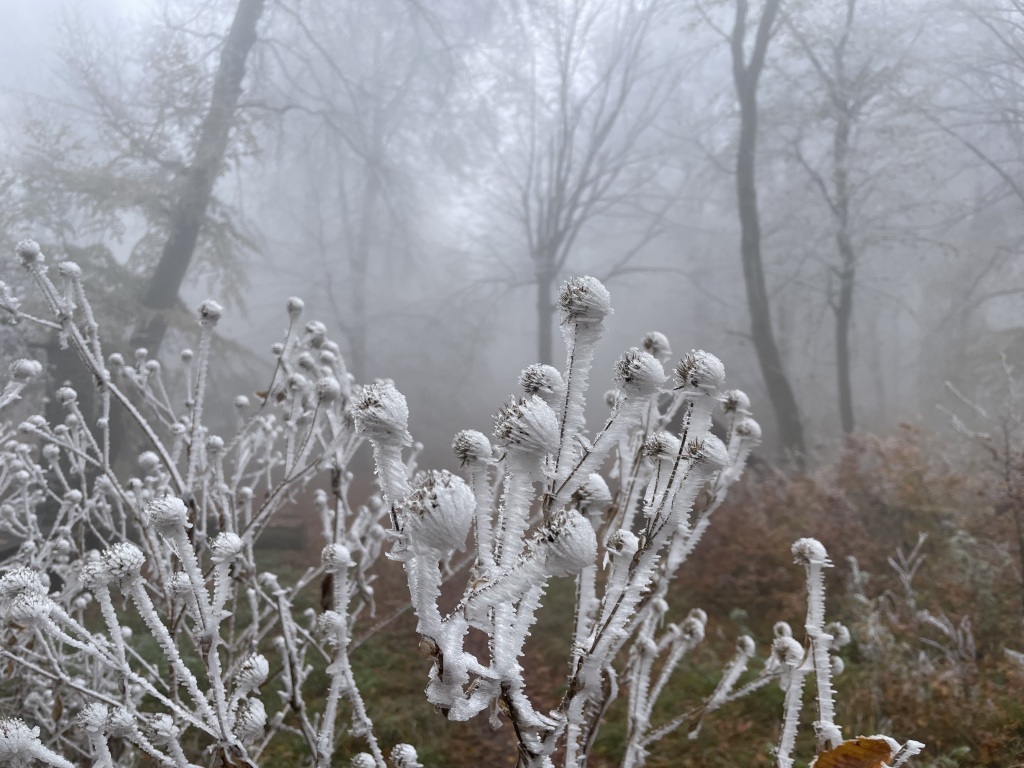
[746, 76]
[576, 147]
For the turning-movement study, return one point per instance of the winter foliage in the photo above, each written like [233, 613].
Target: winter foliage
[137, 628]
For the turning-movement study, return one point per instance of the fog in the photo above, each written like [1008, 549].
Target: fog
[425, 175]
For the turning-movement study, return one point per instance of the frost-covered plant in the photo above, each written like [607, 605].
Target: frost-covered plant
[166, 548]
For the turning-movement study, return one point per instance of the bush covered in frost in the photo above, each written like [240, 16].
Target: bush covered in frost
[162, 548]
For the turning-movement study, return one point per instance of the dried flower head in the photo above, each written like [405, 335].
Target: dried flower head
[253, 672]
[438, 512]
[656, 343]
[18, 742]
[787, 651]
[364, 760]
[167, 513]
[94, 717]
[29, 252]
[749, 430]
[593, 495]
[470, 446]
[225, 547]
[122, 560]
[639, 373]
[69, 269]
[336, 558]
[622, 542]
[327, 389]
[584, 300]
[405, 756]
[209, 313]
[250, 719]
[568, 542]
[29, 608]
[662, 446]
[18, 580]
[736, 401]
[543, 380]
[709, 451]
[808, 551]
[527, 424]
[381, 413]
[294, 306]
[24, 369]
[700, 373]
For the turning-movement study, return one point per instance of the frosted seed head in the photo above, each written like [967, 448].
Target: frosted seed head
[470, 446]
[30, 608]
[404, 756]
[623, 543]
[568, 542]
[787, 650]
[148, 462]
[808, 551]
[250, 719]
[700, 373]
[120, 722]
[328, 389]
[51, 452]
[438, 512]
[656, 343]
[527, 425]
[662, 446]
[19, 580]
[209, 313]
[611, 397]
[639, 373]
[838, 665]
[749, 430]
[593, 496]
[225, 547]
[336, 558]
[122, 560]
[709, 451]
[253, 672]
[241, 402]
[18, 742]
[94, 717]
[95, 574]
[584, 300]
[736, 401]
[543, 380]
[745, 645]
[840, 635]
[69, 269]
[167, 513]
[29, 252]
[364, 760]
[116, 361]
[381, 413]
[782, 629]
[316, 334]
[332, 626]
[294, 306]
[24, 369]
[693, 629]
[215, 445]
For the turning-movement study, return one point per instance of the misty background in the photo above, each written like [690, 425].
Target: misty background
[425, 174]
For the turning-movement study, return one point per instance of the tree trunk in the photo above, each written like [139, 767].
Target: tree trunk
[197, 183]
[843, 307]
[746, 76]
[545, 315]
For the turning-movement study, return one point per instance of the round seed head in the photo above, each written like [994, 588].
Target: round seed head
[470, 446]
[639, 373]
[569, 543]
[700, 373]
[438, 512]
[656, 343]
[584, 300]
[381, 413]
[528, 425]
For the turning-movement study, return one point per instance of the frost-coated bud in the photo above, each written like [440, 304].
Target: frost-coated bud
[438, 512]
[209, 313]
[593, 496]
[328, 389]
[364, 760]
[470, 446]
[745, 645]
[51, 452]
[18, 742]
[225, 547]
[148, 462]
[656, 343]
[569, 543]
[18, 580]
[122, 560]
[294, 306]
[700, 373]
[808, 551]
[623, 543]
[163, 728]
[336, 558]
[24, 369]
[250, 719]
[332, 626]
[381, 413]
[29, 252]
[694, 626]
[709, 451]
[788, 651]
[69, 269]
[30, 608]
[782, 629]
[584, 300]
[316, 333]
[736, 401]
[167, 513]
[404, 756]
[253, 672]
[749, 429]
[662, 446]
[95, 574]
[840, 635]
[837, 664]
[542, 380]
[120, 722]
[215, 444]
[639, 373]
[94, 717]
[528, 425]
[241, 402]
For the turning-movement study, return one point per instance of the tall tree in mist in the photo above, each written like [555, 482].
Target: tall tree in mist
[746, 70]
[585, 92]
[197, 179]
